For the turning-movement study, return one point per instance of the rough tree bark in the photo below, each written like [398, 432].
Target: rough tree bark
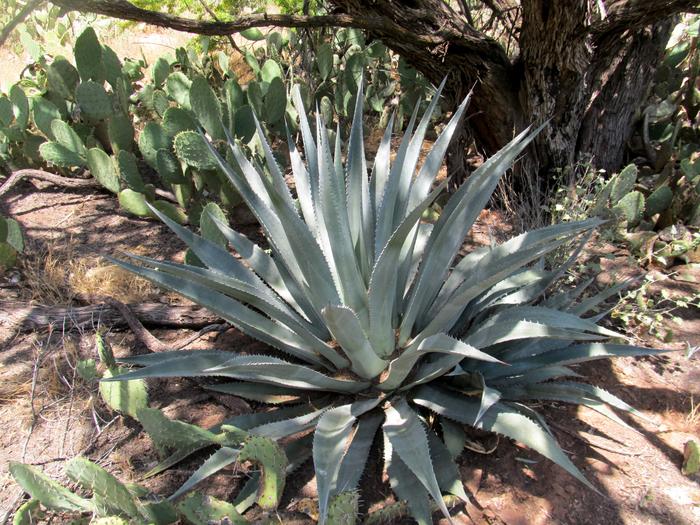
[582, 67]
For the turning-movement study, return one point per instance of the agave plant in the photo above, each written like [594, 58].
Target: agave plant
[387, 330]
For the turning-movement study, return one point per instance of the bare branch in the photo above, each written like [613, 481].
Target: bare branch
[625, 15]
[21, 16]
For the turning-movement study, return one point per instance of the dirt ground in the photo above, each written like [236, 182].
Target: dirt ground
[49, 415]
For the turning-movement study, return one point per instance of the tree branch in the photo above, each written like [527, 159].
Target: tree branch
[126, 11]
[21, 16]
[627, 15]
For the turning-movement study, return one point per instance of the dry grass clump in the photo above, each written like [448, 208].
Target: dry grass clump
[58, 275]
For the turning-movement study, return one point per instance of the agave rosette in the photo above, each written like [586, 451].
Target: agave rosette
[386, 330]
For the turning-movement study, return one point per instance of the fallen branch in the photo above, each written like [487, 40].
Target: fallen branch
[147, 338]
[63, 182]
[23, 317]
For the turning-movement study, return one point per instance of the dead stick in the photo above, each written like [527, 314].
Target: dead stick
[147, 338]
[64, 182]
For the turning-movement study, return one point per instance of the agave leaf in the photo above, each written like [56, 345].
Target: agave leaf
[355, 458]
[593, 301]
[406, 486]
[383, 282]
[455, 221]
[336, 235]
[501, 419]
[569, 355]
[384, 216]
[311, 154]
[408, 165]
[221, 459]
[286, 232]
[433, 161]
[349, 334]
[288, 427]
[535, 376]
[408, 439]
[259, 297]
[256, 419]
[332, 433]
[456, 351]
[160, 357]
[494, 334]
[408, 267]
[266, 369]
[500, 262]
[380, 175]
[269, 394]
[278, 183]
[274, 275]
[564, 300]
[446, 471]
[360, 217]
[240, 316]
[303, 186]
[453, 435]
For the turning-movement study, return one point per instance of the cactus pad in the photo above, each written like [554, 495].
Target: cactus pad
[177, 120]
[47, 491]
[631, 208]
[43, 113]
[153, 137]
[88, 56]
[102, 168]
[62, 77]
[128, 171]
[343, 509]
[206, 107]
[121, 132]
[177, 86]
[58, 155]
[169, 167]
[93, 101]
[101, 483]
[203, 510]
[271, 457]
[623, 183]
[192, 150]
[660, 200]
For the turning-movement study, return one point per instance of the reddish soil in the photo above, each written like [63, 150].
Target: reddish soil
[636, 470]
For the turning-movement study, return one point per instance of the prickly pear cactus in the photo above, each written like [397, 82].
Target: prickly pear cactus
[203, 510]
[170, 434]
[273, 461]
[192, 150]
[127, 397]
[343, 509]
[93, 101]
[115, 498]
[631, 208]
[47, 491]
[659, 201]
[623, 183]
[103, 169]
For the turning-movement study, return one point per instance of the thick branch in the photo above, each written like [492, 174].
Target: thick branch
[24, 13]
[631, 15]
[126, 11]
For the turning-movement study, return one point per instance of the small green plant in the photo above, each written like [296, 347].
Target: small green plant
[387, 332]
[11, 242]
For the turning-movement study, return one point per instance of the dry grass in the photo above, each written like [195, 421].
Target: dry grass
[57, 275]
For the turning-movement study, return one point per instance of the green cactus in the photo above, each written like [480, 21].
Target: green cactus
[270, 70]
[192, 150]
[275, 101]
[62, 78]
[169, 167]
[128, 171]
[207, 108]
[127, 397]
[93, 101]
[103, 169]
[273, 461]
[20, 106]
[121, 132]
[134, 202]
[66, 136]
[343, 508]
[160, 102]
[110, 520]
[207, 225]
[44, 112]
[160, 71]
[47, 491]
[59, 155]
[203, 510]
[153, 137]
[631, 208]
[177, 120]
[170, 210]
[168, 435]
[88, 56]
[112, 67]
[177, 86]
[255, 97]
[244, 123]
[160, 513]
[6, 113]
[28, 513]
[659, 201]
[623, 183]
[115, 497]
